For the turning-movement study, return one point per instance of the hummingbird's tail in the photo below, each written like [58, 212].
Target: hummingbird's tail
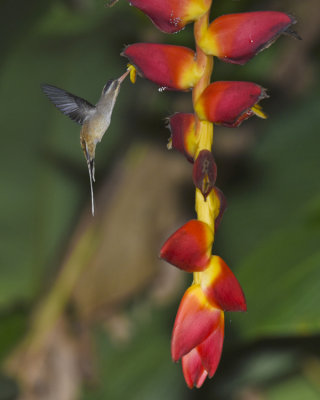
[91, 169]
[91, 176]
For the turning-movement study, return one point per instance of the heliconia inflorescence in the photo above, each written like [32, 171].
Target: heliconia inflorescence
[198, 331]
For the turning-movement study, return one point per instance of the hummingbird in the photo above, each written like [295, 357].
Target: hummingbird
[95, 120]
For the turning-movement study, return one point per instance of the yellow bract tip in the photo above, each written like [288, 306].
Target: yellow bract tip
[133, 73]
[257, 109]
[169, 144]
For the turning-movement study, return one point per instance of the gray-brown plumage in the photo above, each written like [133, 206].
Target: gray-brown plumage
[95, 120]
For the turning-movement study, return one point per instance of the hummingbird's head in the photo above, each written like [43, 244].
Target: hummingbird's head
[112, 86]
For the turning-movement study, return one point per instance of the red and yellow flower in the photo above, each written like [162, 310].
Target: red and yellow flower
[198, 331]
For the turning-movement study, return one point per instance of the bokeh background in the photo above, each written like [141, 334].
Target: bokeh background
[86, 307]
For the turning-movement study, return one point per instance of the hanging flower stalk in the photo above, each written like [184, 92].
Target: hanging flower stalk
[198, 331]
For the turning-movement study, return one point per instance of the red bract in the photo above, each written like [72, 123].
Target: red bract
[197, 336]
[236, 38]
[221, 286]
[198, 331]
[171, 67]
[229, 103]
[195, 321]
[171, 16]
[203, 360]
[204, 172]
[189, 248]
[193, 369]
[183, 134]
[199, 326]
[210, 350]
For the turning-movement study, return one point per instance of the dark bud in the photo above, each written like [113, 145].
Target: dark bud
[204, 172]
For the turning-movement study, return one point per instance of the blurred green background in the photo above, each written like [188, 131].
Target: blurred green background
[86, 307]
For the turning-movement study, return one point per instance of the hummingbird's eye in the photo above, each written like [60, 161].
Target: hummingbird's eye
[107, 86]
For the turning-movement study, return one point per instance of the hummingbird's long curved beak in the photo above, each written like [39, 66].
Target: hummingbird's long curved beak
[123, 77]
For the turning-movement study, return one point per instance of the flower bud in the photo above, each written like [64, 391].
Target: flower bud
[204, 172]
[171, 16]
[236, 38]
[189, 248]
[183, 134]
[229, 103]
[196, 319]
[221, 287]
[171, 67]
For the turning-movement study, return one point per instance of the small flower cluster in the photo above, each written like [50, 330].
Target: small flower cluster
[199, 326]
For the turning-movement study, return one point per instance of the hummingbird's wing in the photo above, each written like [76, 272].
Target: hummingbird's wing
[74, 107]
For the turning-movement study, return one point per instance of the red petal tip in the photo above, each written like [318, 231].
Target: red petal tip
[189, 248]
[211, 349]
[193, 370]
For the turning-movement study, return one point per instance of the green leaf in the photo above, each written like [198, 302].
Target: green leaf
[293, 389]
[274, 232]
